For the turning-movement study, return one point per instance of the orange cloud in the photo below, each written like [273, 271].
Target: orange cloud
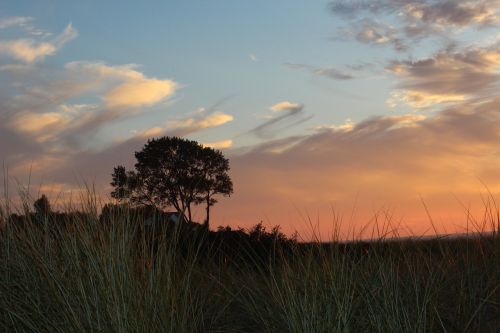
[139, 92]
[43, 126]
[27, 50]
[135, 88]
[223, 144]
[31, 122]
[420, 99]
[202, 121]
[386, 163]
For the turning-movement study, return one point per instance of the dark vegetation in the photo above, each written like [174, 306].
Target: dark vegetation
[133, 266]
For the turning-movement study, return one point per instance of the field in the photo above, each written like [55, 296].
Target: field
[73, 272]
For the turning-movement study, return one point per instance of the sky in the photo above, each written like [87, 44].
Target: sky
[333, 114]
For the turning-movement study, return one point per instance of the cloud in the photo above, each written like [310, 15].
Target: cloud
[27, 50]
[282, 106]
[347, 126]
[414, 20]
[150, 132]
[188, 125]
[67, 35]
[454, 13]
[25, 23]
[407, 156]
[42, 113]
[447, 76]
[201, 121]
[139, 92]
[384, 160]
[420, 99]
[123, 89]
[375, 33]
[40, 165]
[223, 144]
[14, 21]
[332, 73]
[44, 125]
[329, 72]
[287, 111]
[31, 51]
[15, 146]
[433, 12]
[134, 90]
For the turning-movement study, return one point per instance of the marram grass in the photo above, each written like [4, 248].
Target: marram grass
[84, 275]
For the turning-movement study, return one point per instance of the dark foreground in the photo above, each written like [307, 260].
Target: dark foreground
[120, 274]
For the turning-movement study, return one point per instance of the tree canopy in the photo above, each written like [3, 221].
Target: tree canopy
[174, 172]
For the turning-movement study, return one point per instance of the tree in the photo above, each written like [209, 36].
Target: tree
[216, 179]
[174, 172]
[42, 205]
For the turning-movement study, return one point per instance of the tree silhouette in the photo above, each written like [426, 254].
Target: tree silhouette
[174, 172]
[42, 205]
[215, 180]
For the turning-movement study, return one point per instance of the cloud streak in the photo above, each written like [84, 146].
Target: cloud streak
[328, 72]
[286, 111]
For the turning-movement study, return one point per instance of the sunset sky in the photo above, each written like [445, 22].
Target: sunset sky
[347, 108]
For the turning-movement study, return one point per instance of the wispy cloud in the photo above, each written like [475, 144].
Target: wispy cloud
[26, 23]
[39, 119]
[287, 114]
[29, 50]
[14, 21]
[201, 121]
[432, 12]
[124, 91]
[329, 72]
[97, 163]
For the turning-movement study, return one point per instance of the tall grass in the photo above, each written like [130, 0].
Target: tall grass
[86, 276]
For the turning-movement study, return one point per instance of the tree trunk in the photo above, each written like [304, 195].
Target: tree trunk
[207, 221]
